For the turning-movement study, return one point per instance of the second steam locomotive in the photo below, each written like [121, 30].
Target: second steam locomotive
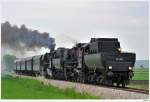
[100, 61]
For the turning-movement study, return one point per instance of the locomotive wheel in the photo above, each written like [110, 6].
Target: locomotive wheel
[81, 79]
[118, 84]
[123, 84]
[44, 73]
[78, 79]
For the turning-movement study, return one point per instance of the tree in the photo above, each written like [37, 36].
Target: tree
[141, 66]
[8, 61]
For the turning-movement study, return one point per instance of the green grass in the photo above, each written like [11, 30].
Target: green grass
[23, 88]
[141, 74]
[139, 86]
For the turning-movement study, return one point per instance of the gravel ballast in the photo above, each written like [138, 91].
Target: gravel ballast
[103, 92]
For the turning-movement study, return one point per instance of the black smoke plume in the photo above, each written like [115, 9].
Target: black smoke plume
[24, 39]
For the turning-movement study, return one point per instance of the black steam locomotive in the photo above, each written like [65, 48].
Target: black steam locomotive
[100, 61]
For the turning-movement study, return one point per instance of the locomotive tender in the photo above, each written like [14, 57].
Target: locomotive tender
[100, 61]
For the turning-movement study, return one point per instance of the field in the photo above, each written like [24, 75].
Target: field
[141, 74]
[22, 88]
[139, 86]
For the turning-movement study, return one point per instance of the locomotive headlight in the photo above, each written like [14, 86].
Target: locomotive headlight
[130, 68]
[110, 67]
[119, 49]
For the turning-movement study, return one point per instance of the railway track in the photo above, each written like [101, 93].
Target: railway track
[143, 91]
[136, 90]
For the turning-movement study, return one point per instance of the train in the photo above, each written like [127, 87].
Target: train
[101, 61]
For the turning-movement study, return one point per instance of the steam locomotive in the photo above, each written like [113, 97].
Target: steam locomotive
[100, 61]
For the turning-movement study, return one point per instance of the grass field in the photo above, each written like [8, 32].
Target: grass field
[22, 88]
[139, 86]
[141, 74]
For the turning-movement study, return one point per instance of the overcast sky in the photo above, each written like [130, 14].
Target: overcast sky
[77, 21]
